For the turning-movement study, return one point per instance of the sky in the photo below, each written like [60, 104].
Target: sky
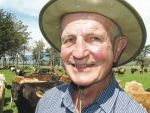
[28, 12]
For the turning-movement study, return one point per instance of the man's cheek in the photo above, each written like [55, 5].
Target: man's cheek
[98, 52]
[64, 54]
[100, 55]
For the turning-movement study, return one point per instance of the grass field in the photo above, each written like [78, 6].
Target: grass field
[127, 77]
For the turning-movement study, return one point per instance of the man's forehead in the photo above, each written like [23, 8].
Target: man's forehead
[90, 16]
[68, 18]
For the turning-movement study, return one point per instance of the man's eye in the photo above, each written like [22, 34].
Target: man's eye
[95, 39]
[70, 40]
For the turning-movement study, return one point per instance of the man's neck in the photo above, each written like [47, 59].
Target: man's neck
[89, 93]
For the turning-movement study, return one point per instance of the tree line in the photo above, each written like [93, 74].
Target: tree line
[13, 34]
[14, 41]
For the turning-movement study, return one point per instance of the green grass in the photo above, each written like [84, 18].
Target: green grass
[127, 77]
[8, 75]
[141, 78]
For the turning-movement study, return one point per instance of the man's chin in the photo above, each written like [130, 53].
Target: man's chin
[82, 83]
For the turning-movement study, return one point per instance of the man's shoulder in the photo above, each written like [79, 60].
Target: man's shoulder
[57, 89]
[126, 102]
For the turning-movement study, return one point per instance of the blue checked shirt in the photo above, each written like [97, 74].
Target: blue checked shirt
[112, 100]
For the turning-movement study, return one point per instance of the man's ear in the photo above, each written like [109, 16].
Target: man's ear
[121, 45]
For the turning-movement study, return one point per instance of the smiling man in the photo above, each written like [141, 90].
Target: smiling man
[95, 37]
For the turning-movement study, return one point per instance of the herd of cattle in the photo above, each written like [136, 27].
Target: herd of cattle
[121, 71]
[27, 88]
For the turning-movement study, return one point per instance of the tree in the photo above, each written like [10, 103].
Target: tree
[54, 56]
[13, 35]
[145, 51]
[142, 58]
[6, 31]
[37, 52]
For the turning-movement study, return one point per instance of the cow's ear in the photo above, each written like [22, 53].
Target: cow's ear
[39, 94]
[8, 87]
[23, 89]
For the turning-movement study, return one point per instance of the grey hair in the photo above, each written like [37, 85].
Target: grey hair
[115, 31]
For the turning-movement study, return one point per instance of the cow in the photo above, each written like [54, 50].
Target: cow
[121, 71]
[45, 76]
[141, 71]
[2, 67]
[22, 104]
[2, 94]
[19, 72]
[136, 91]
[44, 71]
[133, 70]
[51, 69]
[3, 84]
[143, 98]
[24, 95]
[13, 68]
[115, 70]
[145, 70]
[148, 89]
[29, 90]
[22, 73]
[40, 77]
[34, 69]
[133, 86]
[65, 78]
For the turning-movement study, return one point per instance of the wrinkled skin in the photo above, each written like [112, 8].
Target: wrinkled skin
[88, 51]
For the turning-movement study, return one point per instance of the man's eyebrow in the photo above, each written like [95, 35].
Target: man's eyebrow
[66, 36]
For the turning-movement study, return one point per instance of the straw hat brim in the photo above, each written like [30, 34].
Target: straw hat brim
[122, 13]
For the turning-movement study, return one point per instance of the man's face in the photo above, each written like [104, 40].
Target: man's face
[86, 50]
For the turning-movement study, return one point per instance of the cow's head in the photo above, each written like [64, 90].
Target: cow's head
[16, 91]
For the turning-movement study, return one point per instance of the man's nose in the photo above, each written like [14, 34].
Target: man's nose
[81, 50]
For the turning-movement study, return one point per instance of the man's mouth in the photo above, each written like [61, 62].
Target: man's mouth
[82, 66]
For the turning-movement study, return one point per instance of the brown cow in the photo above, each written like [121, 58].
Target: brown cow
[141, 71]
[120, 70]
[136, 91]
[24, 94]
[133, 86]
[142, 98]
[29, 90]
[64, 77]
[115, 70]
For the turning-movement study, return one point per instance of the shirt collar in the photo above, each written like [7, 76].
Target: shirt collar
[106, 100]
[67, 97]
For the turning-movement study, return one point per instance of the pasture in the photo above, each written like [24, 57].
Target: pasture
[127, 77]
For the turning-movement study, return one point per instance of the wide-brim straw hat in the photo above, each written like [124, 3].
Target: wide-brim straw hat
[121, 12]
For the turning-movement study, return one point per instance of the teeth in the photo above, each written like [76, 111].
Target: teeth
[80, 66]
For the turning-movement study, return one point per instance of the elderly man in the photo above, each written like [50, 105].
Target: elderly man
[95, 36]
